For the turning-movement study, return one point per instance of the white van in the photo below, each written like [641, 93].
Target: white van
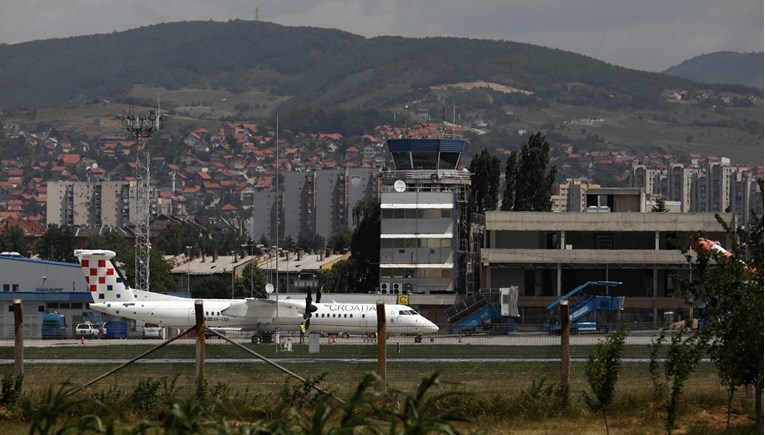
[152, 330]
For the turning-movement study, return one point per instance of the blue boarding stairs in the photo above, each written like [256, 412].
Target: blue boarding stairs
[582, 304]
[484, 308]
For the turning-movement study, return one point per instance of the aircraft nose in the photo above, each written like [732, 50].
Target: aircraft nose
[430, 327]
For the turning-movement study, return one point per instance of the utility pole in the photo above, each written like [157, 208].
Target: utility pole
[188, 269]
[250, 244]
[142, 126]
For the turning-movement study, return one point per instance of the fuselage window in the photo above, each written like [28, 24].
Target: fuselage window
[363, 316]
[351, 316]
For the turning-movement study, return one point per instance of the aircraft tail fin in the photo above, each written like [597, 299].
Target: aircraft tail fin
[104, 280]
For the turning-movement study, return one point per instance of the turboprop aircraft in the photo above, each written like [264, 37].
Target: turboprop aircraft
[112, 296]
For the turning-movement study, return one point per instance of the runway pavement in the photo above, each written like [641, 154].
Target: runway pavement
[513, 339]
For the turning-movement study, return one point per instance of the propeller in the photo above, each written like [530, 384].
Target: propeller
[309, 307]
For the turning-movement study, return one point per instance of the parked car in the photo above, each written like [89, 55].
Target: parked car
[87, 329]
[152, 330]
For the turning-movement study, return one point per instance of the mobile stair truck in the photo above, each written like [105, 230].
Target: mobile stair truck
[581, 305]
[488, 310]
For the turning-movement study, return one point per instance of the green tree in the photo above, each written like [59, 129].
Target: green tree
[160, 275]
[484, 182]
[174, 238]
[511, 169]
[211, 287]
[110, 239]
[340, 241]
[669, 376]
[337, 278]
[602, 372]
[161, 280]
[12, 240]
[252, 282]
[660, 206]
[57, 244]
[310, 242]
[530, 177]
[289, 244]
[730, 287]
[365, 246]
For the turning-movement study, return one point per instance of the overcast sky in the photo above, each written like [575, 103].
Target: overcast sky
[649, 35]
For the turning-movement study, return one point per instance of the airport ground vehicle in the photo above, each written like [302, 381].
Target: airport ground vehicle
[152, 330]
[53, 326]
[114, 329]
[490, 311]
[552, 326]
[87, 330]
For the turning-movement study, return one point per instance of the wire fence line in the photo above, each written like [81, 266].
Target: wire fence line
[478, 363]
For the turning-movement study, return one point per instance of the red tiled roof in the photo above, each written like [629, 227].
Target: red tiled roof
[331, 136]
[69, 159]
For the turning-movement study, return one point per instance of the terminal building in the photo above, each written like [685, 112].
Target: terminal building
[42, 286]
[548, 254]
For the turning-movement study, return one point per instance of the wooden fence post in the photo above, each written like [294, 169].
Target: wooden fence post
[18, 342]
[565, 355]
[200, 351]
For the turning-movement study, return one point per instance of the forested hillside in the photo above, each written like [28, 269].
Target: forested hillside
[310, 65]
[723, 67]
[329, 80]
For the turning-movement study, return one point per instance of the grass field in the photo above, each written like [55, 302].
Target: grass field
[496, 389]
[479, 369]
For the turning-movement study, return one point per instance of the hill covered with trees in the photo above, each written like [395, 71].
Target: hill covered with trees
[311, 66]
[329, 80]
[722, 67]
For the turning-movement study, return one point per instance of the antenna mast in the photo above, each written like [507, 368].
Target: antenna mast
[278, 213]
[142, 126]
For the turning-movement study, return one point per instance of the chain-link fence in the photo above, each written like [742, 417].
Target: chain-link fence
[477, 363]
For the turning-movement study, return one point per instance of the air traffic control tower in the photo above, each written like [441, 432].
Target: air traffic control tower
[423, 198]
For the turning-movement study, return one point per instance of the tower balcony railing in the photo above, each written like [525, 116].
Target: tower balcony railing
[426, 176]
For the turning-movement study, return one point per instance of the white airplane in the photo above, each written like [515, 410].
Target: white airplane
[112, 296]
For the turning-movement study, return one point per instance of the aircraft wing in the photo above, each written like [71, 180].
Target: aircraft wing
[256, 307]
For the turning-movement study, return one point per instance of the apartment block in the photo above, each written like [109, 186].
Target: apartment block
[312, 202]
[717, 187]
[92, 203]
